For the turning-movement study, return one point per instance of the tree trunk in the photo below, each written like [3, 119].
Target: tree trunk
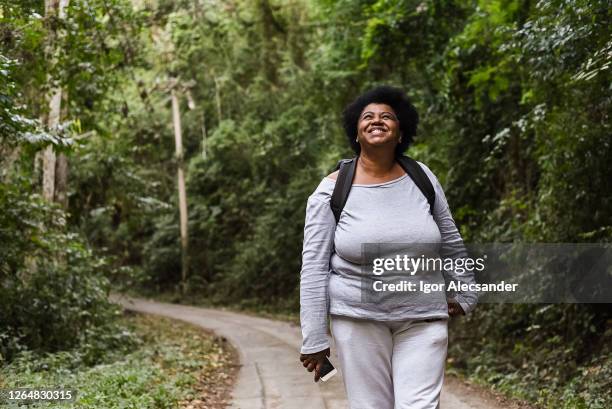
[49, 158]
[218, 98]
[50, 161]
[197, 9]
[204, 136]
[61, 180]
[182, 193]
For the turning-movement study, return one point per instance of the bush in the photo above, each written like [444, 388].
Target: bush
[53, 291]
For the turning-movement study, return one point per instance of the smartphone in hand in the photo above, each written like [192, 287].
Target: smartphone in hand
[327, 370]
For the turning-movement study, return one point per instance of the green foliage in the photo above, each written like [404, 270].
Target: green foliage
[15, 126]
[83, 53]
[555, 355]
[531, 133]
[53, 288]
[11, 123]
[157, 372]
[54, 294]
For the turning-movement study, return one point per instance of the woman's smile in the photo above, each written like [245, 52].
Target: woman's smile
[377, 130]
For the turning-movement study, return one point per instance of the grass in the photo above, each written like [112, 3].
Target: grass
[546, 377]
[171, 364]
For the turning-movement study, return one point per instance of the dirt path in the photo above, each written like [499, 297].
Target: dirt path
[271, 376]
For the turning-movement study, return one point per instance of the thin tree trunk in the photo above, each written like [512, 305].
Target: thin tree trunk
[61, 166]
[61, 180]
[204, 136]
[49, 158]
[218, 99]
[182, 193]
[54, 8]
[197, 9]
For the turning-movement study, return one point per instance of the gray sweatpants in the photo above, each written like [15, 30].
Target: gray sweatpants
[391, 364]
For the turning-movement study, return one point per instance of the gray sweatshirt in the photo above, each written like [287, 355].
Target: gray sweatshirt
[331, 275]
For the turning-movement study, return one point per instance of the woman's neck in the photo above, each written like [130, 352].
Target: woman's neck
[376, 164]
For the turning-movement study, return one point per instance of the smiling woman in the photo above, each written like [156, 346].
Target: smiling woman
[386, 107]
[389, 357]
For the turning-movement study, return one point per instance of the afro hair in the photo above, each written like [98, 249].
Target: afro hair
[394, 97]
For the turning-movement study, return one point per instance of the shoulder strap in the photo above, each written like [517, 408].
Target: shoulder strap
[420, 178]
[343, 185]
[344, 182]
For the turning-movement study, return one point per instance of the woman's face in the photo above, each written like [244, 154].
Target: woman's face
[378, 126]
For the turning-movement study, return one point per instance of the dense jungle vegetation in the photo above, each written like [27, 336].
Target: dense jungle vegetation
[514, 98]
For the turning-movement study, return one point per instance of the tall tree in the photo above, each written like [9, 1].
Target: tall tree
[182, 192]
[55, 169]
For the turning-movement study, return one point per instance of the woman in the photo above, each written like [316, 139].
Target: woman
[389, 358]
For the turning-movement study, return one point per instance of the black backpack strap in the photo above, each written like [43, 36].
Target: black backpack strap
[420, 178]
[343, 185]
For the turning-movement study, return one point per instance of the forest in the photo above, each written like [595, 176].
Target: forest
[166, 148]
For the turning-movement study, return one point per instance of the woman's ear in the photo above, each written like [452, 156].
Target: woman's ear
[399, 140]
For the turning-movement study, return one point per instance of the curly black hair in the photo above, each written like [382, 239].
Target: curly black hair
[394, 97]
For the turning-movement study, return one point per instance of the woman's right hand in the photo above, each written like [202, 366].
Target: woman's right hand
[313, 362]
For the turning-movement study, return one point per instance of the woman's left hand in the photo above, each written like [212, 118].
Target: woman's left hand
[454, 308]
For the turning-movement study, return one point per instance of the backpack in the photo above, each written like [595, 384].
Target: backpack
[344, 182]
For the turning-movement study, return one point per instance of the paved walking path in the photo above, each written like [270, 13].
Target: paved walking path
[271, 376]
